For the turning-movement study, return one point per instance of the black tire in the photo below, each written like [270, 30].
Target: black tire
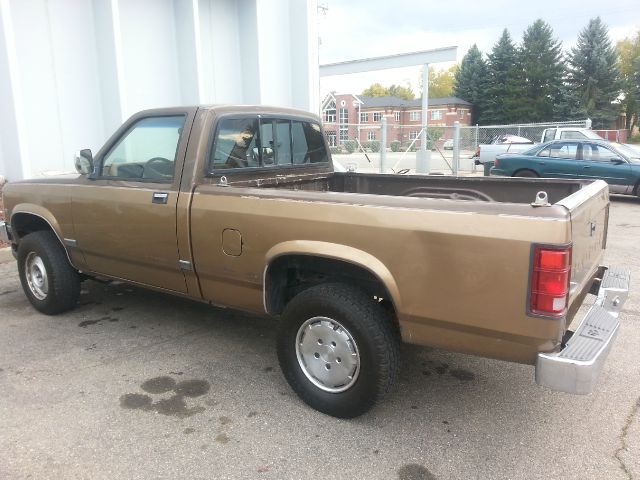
[63, 281]
[373, 333]
[526, 173]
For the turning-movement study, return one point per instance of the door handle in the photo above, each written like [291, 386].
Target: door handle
[160, 197]
[586, 167]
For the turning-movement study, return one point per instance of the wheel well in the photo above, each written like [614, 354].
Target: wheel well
[25, 223]
[289, 275]
[520, 170]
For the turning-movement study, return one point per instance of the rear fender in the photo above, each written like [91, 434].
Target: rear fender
[335, 251]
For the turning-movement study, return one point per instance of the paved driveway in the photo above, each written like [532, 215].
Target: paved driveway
[135, 384]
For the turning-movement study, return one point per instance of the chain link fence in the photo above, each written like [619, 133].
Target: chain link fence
[359, 147]
[532, 131]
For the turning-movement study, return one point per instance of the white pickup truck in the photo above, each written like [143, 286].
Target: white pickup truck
[512, 143]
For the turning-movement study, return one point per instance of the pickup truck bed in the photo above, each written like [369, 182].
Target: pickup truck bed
[436, 186]
[350, 262]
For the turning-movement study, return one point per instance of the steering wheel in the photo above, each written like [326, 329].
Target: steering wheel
[159, 167]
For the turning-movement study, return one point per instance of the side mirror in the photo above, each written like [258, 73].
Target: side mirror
[616, 160]
[84, 162]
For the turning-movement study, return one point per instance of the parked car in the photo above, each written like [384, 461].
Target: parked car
[241, 206]
[513, 144]
[614, 163]
[448, 145]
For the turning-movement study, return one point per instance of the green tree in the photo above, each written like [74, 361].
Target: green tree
[629, 67]
[542, 72]
[470, 82]
[402, 92]
[592, 73]
[441, 82]
[377, 90]
[504, 82]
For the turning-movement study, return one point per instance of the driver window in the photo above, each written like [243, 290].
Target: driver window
[147, 151]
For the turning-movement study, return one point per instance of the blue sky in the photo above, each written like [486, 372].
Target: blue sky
[359, 29]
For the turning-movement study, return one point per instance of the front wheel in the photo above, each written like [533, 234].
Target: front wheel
[338, 350]
[49, 281]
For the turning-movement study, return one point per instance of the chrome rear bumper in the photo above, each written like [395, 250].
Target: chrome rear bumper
[575, 369]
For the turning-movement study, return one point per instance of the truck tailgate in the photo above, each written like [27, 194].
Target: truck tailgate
[589, 210]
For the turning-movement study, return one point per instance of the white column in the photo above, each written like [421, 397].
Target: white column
[14, 154]
[423, 156]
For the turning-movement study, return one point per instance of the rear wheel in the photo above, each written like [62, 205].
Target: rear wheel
[525, 173]
[49, 281]
[337, 349]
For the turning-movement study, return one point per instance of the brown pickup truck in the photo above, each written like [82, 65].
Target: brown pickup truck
[240, 206]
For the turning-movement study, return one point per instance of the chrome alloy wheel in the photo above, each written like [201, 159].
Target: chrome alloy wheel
[327, 354]
[36, 275]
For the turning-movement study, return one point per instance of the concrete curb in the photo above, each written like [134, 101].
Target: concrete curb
[6, 255]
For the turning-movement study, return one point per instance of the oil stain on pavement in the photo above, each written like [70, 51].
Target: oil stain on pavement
[86, 323]
[413, 471]
[175, 405]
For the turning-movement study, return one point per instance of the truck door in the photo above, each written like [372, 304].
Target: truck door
[600, 162]
[125, 217]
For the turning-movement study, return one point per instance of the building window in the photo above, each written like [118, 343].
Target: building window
[461, 112]
[371, 135]
[344, 134]
[331, 139]
[413, 135]
[344, 115]
[377, 116]
[364, 117]
[436, 114]
[329, 114]
[397, 116]
[414, 116]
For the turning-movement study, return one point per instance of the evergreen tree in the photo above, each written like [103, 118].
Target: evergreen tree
[503, 92]
[470, 82]
[542, 73]
[593, 74]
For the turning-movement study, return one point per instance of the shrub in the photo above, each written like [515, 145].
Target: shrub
[335, 150]
[374, 146]
[350, 146]
[395, 146]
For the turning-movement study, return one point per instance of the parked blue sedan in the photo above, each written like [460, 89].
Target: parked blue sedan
[615, 163]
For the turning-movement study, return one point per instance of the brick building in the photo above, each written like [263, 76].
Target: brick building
[348, 116]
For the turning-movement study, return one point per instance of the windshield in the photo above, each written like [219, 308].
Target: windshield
[534, 150]
[628, 152]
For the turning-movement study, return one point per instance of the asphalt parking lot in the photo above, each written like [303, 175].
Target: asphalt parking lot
[134, 384]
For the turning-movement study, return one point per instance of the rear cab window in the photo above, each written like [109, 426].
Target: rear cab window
[261, 142]
[572, 135]
[549, 134]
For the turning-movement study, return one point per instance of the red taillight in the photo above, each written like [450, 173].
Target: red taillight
[550, 277]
